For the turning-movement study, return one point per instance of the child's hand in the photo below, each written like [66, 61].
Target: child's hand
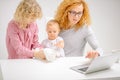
[39, 54]
[60, 44]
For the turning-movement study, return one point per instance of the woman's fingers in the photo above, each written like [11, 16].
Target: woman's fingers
[92, 54]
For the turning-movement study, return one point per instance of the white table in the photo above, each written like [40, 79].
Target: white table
[32, 69]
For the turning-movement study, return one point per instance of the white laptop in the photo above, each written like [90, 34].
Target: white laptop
[99, 63]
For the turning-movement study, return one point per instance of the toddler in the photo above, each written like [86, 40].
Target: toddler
[54, 43]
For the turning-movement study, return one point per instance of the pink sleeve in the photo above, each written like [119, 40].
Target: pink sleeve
[17, 44]
[36, 44]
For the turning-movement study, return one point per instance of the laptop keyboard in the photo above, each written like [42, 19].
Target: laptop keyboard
[83, 69]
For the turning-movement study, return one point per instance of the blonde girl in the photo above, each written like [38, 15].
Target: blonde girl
[22, 31]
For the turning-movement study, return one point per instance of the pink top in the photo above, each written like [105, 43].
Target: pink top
[20, 42]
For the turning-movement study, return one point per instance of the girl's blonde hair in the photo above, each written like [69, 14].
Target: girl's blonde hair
[26, 11]
[62, 14]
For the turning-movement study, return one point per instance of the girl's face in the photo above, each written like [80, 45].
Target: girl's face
[30, 19]
[52, 31]
[74, 15]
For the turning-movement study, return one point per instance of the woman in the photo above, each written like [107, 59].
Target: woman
[74, 19]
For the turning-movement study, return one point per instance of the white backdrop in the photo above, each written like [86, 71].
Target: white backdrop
[105, 15]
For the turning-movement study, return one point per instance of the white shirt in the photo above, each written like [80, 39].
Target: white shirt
[51, 44]
[75, 41]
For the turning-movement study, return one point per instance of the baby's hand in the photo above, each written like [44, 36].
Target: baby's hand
[60, 44]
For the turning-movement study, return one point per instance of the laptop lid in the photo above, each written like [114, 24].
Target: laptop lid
[99, 63]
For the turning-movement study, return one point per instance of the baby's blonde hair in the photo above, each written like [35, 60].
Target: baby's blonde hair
[52, 22]
[25, 10]
[62, 13]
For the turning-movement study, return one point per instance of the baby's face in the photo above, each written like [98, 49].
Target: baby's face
[52, 31]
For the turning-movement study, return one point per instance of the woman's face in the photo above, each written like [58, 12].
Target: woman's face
[74, 15]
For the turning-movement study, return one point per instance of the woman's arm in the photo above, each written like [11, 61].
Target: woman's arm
[91, 39]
